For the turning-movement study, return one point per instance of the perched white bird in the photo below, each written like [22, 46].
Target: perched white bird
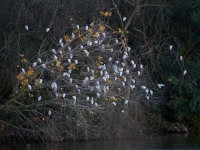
[49, 112]
[160, 85]
[87, 98]
[120, 73]
[69, 71]
[143, 87]
[101, 72]
[170, 47]
[34, 64]
[124, 56]
[23, 70]
[98, 95]
[39, 60]
[147, 97]
[181, 58]
[39, 98]
[60, 41]
[30, 87]
[54, 51]
[86, 27]
[92, 101]
[69, 48]
[151, 92]
[139, 73]
[26, 27]
[91, 89]
[74, 97]
[184, 72]
[47, 29]
[86, 52]
[77, 26]
[146, 91]
[89, 43]
[104, 34]
[122, 111]
[81, 47]
[91, 78]
[124, 19]
[126, 102]
[69, 60]
[127, 72]
[76, 62]
[132, 86]
[116, 41]
[43, 65]
[66, 74]
[88, 69]
[132, 62]
[63, 95]
[98, 88]
[95, 104]
[141, 66]
[114, 103]
[54, 86]
[128, 49]
[73, 35]
[55, 57]
[104, 78]
[70, 80]
[92, 71]
[133, 80]
[71, 56]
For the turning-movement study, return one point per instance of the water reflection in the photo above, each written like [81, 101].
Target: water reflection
[166, 142]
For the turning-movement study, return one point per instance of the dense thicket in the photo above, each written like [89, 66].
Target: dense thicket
[160, 37]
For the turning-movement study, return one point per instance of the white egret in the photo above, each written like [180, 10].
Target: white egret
[39, 60]
[124, 19]
[26, 27]
[143, 87]
[74, 97]
[43, 65]
[30, 87]
[40, 81]
[126, 102]
[77, 26]
[160, 85]
[23, 70]
[39, 98]
[95, 104]
[47, 29]
[54, 51]
[34, 64]
[49, 112]
[54, 86]
[184, 72]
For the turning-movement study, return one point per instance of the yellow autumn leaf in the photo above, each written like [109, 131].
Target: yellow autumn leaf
[20, 76]
[30, 72]
[58, 63]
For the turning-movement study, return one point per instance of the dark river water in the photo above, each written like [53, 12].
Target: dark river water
[161, 142]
